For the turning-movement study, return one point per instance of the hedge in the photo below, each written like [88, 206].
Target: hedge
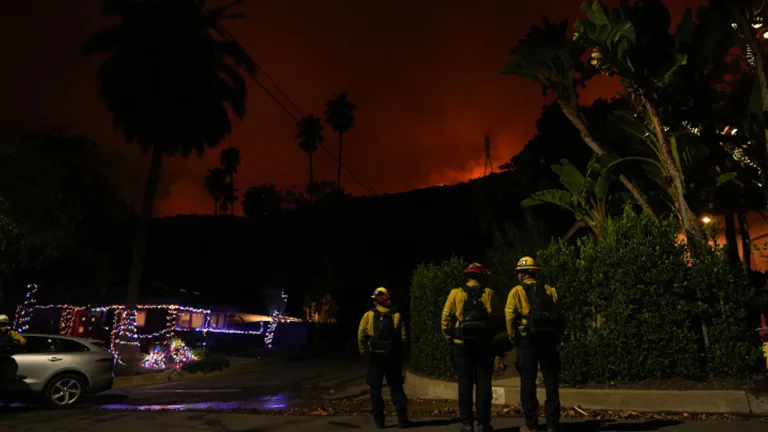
[430, 285]
[635, 306]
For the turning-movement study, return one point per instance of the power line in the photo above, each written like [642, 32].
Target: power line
[359, 181]
[365, 185]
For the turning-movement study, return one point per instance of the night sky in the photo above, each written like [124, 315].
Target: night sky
[424, 74]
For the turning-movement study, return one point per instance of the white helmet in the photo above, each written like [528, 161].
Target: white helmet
[4, 319]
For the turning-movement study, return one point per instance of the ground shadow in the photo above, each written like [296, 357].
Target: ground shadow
[435, 422]
[609, 426]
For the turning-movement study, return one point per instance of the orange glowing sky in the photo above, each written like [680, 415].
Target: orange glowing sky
[424, 74]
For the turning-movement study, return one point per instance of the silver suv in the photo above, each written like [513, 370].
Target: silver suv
[61, 369]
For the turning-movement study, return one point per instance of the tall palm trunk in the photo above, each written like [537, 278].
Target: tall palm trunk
[338, 170]
[140, 239]
[580, 124]
[746, 242]
[689, 220]
[311, 175]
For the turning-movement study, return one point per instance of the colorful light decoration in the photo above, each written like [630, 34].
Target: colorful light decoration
[155, 359]
[179, 353]
[276, 316]
[24, 313]
[124, 330]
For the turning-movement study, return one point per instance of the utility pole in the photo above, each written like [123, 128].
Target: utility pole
[488, 167]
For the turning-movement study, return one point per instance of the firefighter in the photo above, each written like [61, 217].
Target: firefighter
[8, 340]
[471, 318]
[381, 336]
[534, 326]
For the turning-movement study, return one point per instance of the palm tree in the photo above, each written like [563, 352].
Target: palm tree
[309, 132]
[214, 184]
[546, 55]
[340, 115]
[228, 198]
[229, 159]
[169, 77]
[633, 43]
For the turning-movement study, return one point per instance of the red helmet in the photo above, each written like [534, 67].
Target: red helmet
[475, 269]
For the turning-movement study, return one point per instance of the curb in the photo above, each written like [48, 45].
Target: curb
[507, 392]
[173, 375]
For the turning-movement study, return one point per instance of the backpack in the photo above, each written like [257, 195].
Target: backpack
[384, 333]
[475, 324]
[543, 316]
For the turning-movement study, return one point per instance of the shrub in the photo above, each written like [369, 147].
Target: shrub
[208, 364]
[635, 305]
[430, 286]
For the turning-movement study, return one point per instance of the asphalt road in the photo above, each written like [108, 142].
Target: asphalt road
[276, 386]
[92, 420]
[222, 403]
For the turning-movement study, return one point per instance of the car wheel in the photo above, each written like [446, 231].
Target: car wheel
[63, 391]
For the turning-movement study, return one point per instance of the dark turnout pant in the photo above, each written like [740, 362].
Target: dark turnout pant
[474, 366]
[528, 356]
[391, 368]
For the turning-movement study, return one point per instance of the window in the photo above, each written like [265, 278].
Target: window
[70, 346]
[184, 320]
[39, 345]
[197, 320]
[141, 318]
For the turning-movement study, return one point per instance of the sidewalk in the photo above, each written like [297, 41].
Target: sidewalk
[507, 392]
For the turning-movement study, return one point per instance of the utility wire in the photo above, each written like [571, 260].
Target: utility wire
[365, 185]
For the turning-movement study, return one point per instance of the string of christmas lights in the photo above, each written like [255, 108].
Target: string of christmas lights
[155, 360]
[269, 338]
[67, 320]
[25, 314]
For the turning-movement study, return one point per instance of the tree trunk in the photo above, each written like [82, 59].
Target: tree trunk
[140, 239]
[746, 242]
[338, 171]
[731, 244]
[757, 51]
[689, 220]
[579, 224]
[311, 170]
[574, 116]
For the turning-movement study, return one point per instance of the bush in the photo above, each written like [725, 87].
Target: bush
[430, 286]
[635, 305]
[208, 364]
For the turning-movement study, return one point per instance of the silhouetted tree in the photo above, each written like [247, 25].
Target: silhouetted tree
[319, 190]
[340, 115]
[261, 201]
[309, 132]
[228, 198]
[69, 220]
[230, 161]
[168, 75]
[548, 56]
[214, 184]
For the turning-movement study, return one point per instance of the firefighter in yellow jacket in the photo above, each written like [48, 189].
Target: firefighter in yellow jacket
[535, 325]
[472, 317]
[381, 336]
[8, 340]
